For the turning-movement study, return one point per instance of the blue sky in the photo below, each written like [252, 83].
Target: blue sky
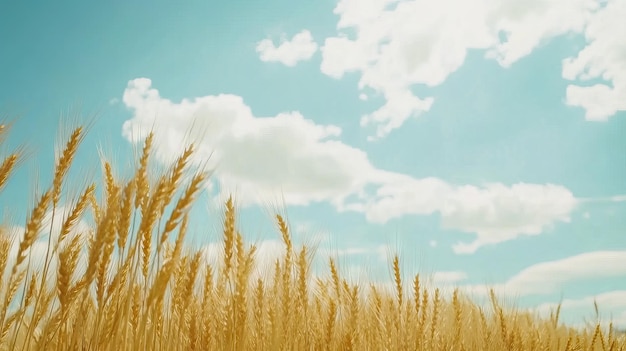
[484, 143]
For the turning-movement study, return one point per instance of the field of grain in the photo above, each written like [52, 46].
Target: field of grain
[130, 282]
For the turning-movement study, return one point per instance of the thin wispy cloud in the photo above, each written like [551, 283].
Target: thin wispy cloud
[551, 277]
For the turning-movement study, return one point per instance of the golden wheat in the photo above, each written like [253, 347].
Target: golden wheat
[129, 282]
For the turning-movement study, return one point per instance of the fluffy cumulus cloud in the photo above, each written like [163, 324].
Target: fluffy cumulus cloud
[604, 57]
[301, 47]
[291, 158]
[257, 157]
[394, 45]
[497, 213]
[494, 212]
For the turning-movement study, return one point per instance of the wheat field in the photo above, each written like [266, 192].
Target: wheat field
[129, 281]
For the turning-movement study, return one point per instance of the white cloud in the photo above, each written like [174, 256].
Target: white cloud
[400, 106]
[258, 159]
[550, 277]
[547, 277]
[604, 57]
[611, 308]
[395, 45]
[603, 199]
[300, 48]
[498, 213]
[618, 198]
[495, 212]
[611, 300]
